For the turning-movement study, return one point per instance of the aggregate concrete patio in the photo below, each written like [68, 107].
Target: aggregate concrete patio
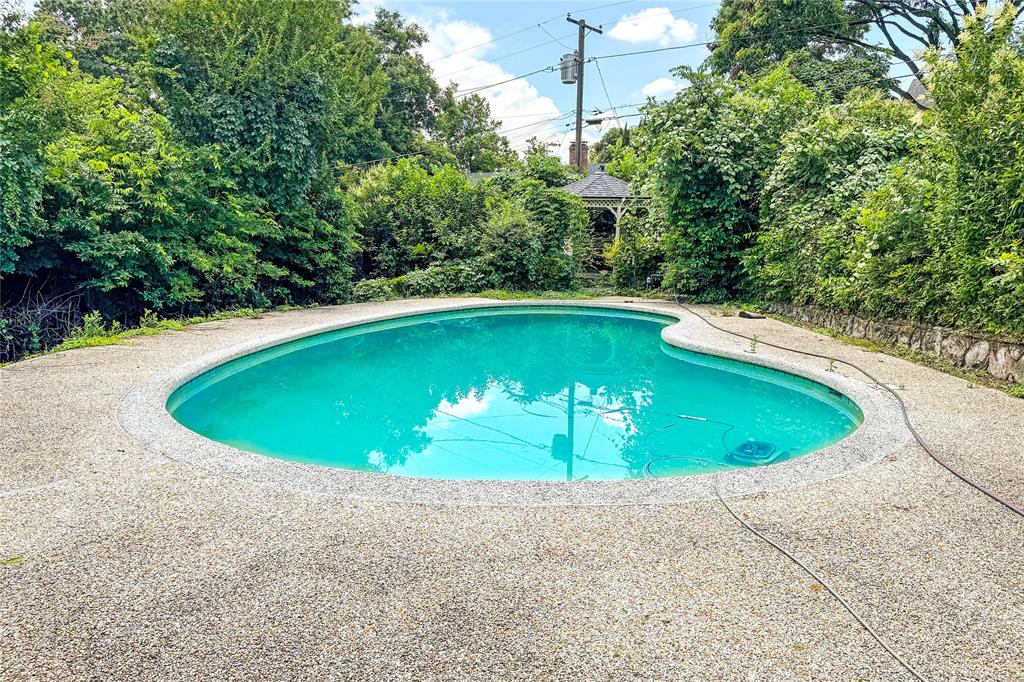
[139, 566]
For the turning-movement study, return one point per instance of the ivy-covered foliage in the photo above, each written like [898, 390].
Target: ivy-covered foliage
[719, 142]
[825, 165]
[908, 215]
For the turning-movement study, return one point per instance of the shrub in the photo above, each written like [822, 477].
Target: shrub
[373, 290]
[638, 257]
[557, 272]
[823, 167]
[565, 225]
[512, 248]
[432, 281]
[411, 218]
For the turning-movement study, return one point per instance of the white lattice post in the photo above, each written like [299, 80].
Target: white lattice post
[618, 212]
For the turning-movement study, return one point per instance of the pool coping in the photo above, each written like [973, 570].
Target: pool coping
[142, 414]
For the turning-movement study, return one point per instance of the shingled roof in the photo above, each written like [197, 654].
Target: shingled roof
[599, 185]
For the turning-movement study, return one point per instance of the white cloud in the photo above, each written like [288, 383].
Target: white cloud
[653, 25]
[517, 104]
[660, 87]
[365, 12]
[466, 406]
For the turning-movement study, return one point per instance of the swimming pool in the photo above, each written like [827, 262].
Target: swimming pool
[517, 393]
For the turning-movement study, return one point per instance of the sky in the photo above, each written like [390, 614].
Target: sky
[479, 42]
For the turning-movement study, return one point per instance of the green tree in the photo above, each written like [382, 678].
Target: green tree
[33, 75]
[466, 129]
[539, 164]
[566, 238]
[838, 77]
[752, 36]
[602, 151]
[878, 209]
[102, 35]
[720, 141]
[411, 101]
[284, 86]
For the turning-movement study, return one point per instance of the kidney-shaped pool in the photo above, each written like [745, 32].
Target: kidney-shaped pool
[517, 393]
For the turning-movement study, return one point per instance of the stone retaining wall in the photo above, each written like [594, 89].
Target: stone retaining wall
[1002, 359]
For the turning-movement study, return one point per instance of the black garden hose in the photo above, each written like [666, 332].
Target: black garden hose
[910, 427]
[899, 399]
[789, 555]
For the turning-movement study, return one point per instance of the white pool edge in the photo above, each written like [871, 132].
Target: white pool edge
[143, 415]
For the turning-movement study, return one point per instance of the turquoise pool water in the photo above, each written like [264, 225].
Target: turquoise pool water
[511, 393]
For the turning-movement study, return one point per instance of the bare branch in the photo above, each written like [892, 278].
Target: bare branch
[913, 36]
[952, 15]
[905, 94]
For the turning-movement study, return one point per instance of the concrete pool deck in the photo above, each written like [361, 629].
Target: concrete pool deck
[136, 565]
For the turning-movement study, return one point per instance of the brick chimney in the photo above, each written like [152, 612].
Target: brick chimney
[572, 154]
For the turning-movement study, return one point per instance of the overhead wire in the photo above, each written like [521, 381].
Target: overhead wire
[708, 43]
[480, 88]
[539, 124]
[505, 131]
[555, 38]
[604, 86]
[525, 29]
[558, 39]
[596, 58]
[504, 56]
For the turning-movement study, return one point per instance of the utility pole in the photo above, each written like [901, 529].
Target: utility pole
[584, 27]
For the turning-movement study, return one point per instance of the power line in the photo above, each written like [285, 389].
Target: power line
[604, 86]
[880, 80]
[535, 123]
[832, 81]
[554, 38]
[470, 91]
[589, 9]
[552, 67]
[384, 158]
[504, 56]
[525, 29]
[473, 47]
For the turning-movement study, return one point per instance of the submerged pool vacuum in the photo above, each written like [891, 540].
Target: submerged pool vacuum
[754, 453]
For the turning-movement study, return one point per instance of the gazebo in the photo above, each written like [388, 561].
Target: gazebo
[601, 191]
